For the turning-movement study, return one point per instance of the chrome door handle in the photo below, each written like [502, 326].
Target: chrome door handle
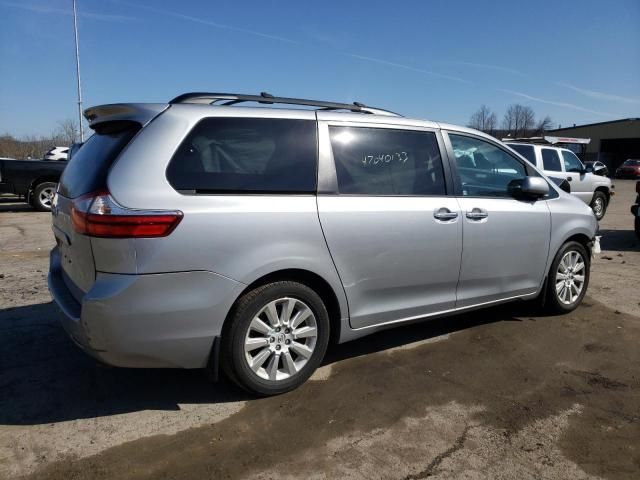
[445, 214]
[477, 214]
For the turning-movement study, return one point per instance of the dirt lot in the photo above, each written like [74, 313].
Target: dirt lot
[493, 394]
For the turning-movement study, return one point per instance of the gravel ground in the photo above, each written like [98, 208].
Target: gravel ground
[492, 394]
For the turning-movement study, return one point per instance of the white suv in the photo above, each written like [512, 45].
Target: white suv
[57, 153]
[594, 190]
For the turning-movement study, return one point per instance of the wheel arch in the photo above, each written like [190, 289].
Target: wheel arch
[605, 190]
[309, 279]
[582, 239]
[305, 277]
[34, 184]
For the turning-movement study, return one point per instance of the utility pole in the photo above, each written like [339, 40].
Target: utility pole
[75, 28]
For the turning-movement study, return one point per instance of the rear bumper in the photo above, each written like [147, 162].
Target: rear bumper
[146, 321]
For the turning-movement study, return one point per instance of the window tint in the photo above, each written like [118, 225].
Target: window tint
[87, 170]
[551, 160]
[261, 155]
[484, 169]
[527, 151]
[377, 161]
[571, 162]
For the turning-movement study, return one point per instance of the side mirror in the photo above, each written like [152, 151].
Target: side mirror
[588, 168]
[529, 187]
[562, 183]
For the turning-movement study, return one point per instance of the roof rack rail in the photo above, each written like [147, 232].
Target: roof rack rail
[547, 140]
[266, 98]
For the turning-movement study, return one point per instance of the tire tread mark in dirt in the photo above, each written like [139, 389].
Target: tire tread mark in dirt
[435, 463]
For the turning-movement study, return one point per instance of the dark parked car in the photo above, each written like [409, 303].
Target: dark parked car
[35, 180]
[629, 169]
[635, 211]
[597, 168]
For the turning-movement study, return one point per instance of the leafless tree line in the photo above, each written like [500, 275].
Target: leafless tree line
[32, 146]
[518, 121]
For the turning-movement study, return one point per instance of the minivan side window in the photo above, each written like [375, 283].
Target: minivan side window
[484, 170]
[379, 161]
[571, 162]
[551, 160]
[246, 155]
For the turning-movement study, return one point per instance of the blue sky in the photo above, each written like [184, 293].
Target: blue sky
[577, 61]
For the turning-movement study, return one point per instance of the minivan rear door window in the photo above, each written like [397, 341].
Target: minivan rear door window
[378, 161]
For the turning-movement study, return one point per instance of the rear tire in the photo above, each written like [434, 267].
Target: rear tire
[599, 204]
[275, 338]
[568, 278]
[42, 197]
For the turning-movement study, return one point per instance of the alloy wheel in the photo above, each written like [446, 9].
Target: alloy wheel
[281, 339]
[598, 206]
[46, 196]
[570, 277]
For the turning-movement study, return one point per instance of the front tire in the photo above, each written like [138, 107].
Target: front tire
[599, 205]
[275, 338]
[43, 196]
[568, 278]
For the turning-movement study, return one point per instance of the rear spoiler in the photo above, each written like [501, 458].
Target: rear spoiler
[141, 113]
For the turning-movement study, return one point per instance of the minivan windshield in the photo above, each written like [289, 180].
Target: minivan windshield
[87, 170]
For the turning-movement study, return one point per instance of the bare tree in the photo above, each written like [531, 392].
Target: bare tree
[543, 125]
[509, 120]
[519, 120]
[484, 119]
[67, 132]
[528, 120]
[32, 146]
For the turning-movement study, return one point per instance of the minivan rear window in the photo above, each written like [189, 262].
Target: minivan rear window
[246, 155]
[87, 170]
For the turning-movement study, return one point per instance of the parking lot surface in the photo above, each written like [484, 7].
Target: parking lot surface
[499, 393]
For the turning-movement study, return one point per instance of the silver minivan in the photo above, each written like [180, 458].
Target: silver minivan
[205, 233]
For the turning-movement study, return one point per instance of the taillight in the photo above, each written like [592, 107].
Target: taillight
[98, 215]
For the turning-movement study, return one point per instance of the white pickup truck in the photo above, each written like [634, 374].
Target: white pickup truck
[594, 190]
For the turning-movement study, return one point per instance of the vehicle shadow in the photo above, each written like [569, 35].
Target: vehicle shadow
[45, 378]
[14, 204]
[619, 240]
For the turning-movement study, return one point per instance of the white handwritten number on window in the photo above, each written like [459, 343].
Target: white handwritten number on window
[385, 158]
